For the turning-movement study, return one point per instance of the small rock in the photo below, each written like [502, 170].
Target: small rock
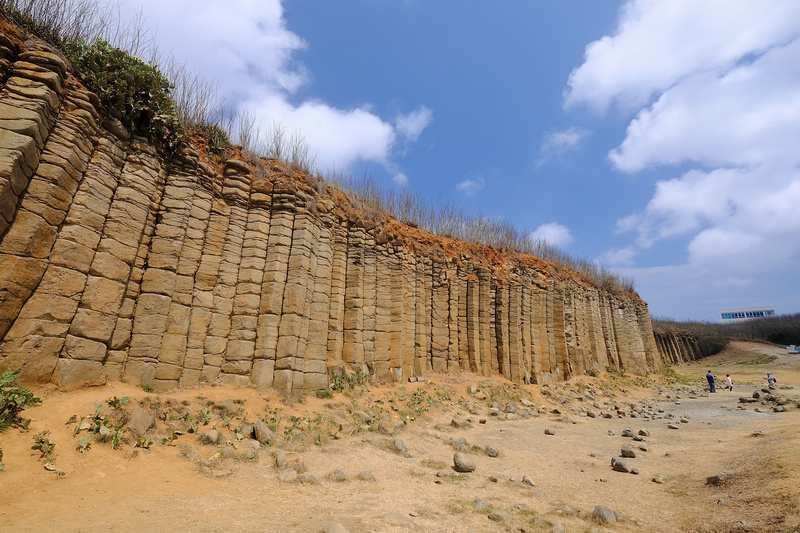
[528, 481]
[499, 516]
[209, 437]
[604, 513]
[718, 479]
[365, 475]
[491, 451]
[672, 426]
[618, 464]
[396, 519]
[478, 504]
[288, 476]
[464, 462]
[549, 431]
[627, 451]
[659, 479]
[337, 475]
[644, 432]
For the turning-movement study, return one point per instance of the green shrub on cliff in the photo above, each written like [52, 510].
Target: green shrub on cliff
[133, 91]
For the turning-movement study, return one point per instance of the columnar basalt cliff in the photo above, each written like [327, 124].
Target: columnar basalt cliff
[115, 262]
[675, 346]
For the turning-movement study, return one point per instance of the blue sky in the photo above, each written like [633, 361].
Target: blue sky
[660, 138]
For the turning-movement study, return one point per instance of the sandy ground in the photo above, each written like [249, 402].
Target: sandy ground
[182, 486]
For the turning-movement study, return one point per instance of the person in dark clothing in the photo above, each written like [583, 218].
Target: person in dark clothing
[711, 385]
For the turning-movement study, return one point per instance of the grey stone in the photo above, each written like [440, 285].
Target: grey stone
[627, 451]
[499, 515]
[337, 475]
[139, 421]
[549, 431]
[396, 519]
[604, 513]
[491, 451]
[210, 436]
[463, 462]
[618, 464]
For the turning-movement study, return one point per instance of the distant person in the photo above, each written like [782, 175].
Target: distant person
[711, 385]
[771, 380]
[728, 383]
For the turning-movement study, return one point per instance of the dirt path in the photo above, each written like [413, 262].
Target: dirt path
[170, 488]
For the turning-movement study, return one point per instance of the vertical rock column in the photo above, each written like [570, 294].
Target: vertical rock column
[274, 281]
[473, 324]
[463, 328]
[170, 271]
[297, 302]
[203, 311]
[380, 362]
[235, 367]
[501, 330]
[397, 310]
[315, 371]
[515, 326]
[540, 354]
[353, 346]
[127, 236]
[370, 300]
[422, 334]
[37, 336]
[410, 310]
[453, 355]
[188, 268]
[440, 313]
[338, 279]
[29, 105]
[240, 351]
[485, 314]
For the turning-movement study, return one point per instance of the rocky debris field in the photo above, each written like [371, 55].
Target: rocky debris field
[611, 453]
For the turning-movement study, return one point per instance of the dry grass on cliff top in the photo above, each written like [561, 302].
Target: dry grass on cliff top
[182, 485]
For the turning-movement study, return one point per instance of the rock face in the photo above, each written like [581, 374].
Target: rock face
[115, 262]
[680, 346]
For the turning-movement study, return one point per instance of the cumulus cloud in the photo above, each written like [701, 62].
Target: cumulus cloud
[658, 43]
[411, 126]
[552, 233]
[471, 186]
[711, 86]
[246, 46]
[618, 258]
[557, 143]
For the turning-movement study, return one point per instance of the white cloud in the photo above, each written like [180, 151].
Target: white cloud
[552, 233]
[618, 258]
[471, 186]
[400, 179]
[558, 143]
[411, 126]
[246, 46]
[658, 43]
[711, 85]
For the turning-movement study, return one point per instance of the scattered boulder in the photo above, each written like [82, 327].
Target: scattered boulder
[499, 515]
[627, 451]
[491, 451]
[337, 475]
[604, 513]
[396, 519]
[263, 434]
[479, 504]
[618, 464]
[291, 460]
[719, 478]
[463, 462]
[549, 431]
[366, 475]
[139, 421]
[210, 436]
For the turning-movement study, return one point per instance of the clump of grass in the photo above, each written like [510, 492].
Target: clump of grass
[14, 399]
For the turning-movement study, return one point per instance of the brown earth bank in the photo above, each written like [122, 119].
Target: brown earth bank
[381, 458]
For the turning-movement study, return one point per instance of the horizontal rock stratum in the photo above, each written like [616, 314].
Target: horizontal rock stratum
[115, 263]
